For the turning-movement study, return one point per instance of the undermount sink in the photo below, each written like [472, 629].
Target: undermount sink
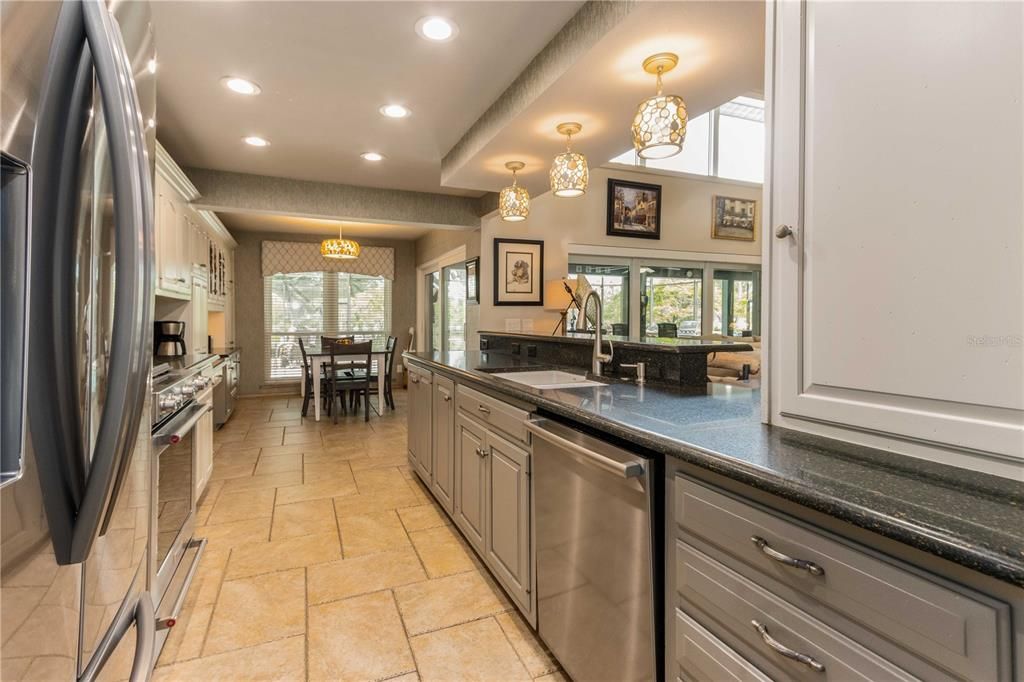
[549, 379]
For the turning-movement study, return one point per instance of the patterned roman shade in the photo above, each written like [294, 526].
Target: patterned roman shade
[288, 257]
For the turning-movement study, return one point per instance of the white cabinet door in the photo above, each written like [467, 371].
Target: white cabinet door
[166, 240]
[204, 452]
[898, 301]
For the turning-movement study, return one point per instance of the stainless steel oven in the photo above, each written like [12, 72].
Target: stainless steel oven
[174, 552]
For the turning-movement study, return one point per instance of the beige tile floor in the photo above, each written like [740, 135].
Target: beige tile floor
[328, 560]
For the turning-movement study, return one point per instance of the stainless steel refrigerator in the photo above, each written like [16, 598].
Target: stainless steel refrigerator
[78, 90]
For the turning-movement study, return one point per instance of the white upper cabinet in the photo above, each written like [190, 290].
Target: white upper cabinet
[186, 237]
[897, 304]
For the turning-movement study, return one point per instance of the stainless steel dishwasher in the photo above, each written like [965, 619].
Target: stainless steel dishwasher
[594, 534]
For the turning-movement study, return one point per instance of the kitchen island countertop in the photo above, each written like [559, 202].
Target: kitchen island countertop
[973, 519]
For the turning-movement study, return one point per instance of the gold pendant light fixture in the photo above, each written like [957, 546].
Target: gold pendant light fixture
[514, 201]
[659, 126]
[340, 248]
[569, 172]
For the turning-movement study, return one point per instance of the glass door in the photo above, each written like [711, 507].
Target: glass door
[446, 308]
[670, 300]
[455, 307]
[737, 303]
[435, 312]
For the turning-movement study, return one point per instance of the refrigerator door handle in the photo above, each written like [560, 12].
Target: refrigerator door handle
[129, 355]
[145, 643]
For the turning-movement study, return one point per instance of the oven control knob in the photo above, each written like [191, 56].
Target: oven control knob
[168, 403]
[188, 389]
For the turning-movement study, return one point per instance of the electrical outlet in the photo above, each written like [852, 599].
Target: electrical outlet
[515, 348]
[531, 351]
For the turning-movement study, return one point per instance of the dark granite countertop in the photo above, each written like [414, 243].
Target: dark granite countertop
[654, 344]
[973, 519]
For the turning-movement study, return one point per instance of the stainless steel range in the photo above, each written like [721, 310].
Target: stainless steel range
[176, 411]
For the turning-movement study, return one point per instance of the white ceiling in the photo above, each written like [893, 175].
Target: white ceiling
[325, 68]
[721, 55]
[285, 224]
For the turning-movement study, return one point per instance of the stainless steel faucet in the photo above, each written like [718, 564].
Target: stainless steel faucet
[599, 358]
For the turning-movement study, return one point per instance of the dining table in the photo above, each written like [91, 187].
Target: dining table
[321, 357]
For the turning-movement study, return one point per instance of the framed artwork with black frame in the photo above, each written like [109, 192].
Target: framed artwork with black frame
[518, 272]
[473, 280]
[634, 209]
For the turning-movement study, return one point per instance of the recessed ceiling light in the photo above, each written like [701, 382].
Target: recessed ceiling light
[256, 141]
[240, 85]
[394, 111]
[437, 29]
[151, 65]
[372, 156]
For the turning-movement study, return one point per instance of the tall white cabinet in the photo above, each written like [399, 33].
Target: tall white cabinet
[897, 162]
[190, 241]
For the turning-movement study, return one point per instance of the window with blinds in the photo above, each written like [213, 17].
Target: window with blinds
[309, 305]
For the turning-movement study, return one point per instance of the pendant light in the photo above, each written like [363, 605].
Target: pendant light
[514, 201]
[569, 172]
[340, 248]
[659, 126]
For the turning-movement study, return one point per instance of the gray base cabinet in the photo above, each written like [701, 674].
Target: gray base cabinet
[755, 594]
[472, 451]
[421, 399]
[443, 481]
[471, 480]
[507, 536]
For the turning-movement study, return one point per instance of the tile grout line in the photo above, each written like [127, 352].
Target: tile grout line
[305, 638]
[405, 630]
[337, 524]
[216, 601]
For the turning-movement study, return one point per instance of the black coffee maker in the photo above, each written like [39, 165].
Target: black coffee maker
[168, 338]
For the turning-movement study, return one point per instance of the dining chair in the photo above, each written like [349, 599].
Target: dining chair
[620, 329]
[307, 378]
[668, 330]
[348, 372]
[387, 365]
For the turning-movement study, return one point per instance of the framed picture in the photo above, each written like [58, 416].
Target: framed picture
[733, 218]
[473, 280]
[634, 209]
[518, 272]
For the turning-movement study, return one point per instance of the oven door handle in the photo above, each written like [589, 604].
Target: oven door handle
[174, 431]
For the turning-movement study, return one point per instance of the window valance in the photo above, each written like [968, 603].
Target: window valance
[288, 257]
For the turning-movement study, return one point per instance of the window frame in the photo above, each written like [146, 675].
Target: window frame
[330, 317]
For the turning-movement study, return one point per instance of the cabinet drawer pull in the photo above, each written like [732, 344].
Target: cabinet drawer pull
[766, 549]
[414, 379]
[784, 650]
[447, 398]
[481, 452]
[483, 409]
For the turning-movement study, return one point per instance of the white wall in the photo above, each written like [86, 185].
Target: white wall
[685, 227]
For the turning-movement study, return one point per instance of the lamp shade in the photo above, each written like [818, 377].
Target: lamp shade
[659, 126]
[514, 203]
[569, 173]
[339, 248]
[555, 295]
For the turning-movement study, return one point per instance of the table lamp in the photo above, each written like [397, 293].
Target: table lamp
[558, 296]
